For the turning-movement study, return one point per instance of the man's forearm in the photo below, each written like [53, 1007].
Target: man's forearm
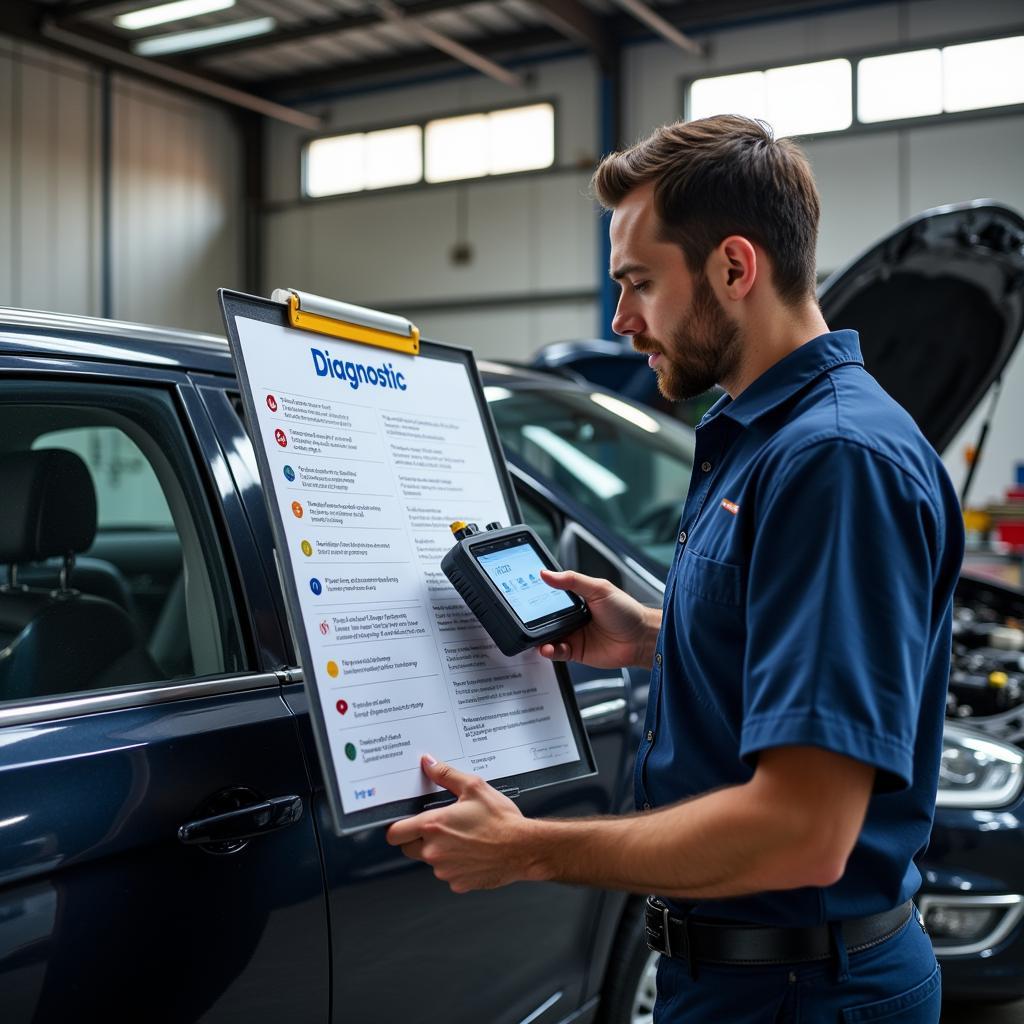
[649, 640]
[727, 843]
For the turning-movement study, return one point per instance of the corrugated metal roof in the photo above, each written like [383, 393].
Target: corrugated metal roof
[356, 38]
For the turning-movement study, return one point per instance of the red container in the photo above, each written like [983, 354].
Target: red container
[1011, 533]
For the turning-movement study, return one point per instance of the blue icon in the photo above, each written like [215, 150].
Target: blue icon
[533, 579]
[507, 587]
[316, 586]
[289, 474]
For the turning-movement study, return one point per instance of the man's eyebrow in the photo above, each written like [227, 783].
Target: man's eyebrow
[629, 268]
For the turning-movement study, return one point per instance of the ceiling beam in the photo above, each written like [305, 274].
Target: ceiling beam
[395, 14]
[365, 73]
[304, 30]
[114, 55]
[71, 11]
[653, 20]
[580, 25]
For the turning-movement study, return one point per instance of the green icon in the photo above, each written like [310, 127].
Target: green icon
[350, 751]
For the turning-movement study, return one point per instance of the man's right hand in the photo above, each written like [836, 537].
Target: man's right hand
[621, 632]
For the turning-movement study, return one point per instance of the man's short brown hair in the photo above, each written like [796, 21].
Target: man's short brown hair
[721, 176]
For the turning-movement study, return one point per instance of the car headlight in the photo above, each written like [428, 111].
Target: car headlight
[976, 771]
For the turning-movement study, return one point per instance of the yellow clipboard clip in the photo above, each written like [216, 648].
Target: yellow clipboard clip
[344, 320]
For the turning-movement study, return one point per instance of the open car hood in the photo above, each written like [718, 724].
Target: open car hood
[939, 305]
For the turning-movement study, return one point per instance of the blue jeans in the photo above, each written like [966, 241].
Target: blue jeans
[895, 982]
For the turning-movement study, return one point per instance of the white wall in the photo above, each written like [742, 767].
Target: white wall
[534, 237]
[177, 206]
[175, 219]
[49, 174]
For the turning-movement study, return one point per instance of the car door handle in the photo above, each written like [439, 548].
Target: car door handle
[244, 823]
[602, 701]
[607, 712]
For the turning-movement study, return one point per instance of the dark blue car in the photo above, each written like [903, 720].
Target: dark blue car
[165, 851]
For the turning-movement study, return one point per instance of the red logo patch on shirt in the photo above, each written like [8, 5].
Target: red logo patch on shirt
[730, 506]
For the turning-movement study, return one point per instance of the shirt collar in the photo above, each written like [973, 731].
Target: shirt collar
[789, 375]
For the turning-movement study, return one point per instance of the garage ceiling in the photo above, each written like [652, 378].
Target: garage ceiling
[319, 45]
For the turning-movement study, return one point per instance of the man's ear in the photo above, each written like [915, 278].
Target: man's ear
[733, 268]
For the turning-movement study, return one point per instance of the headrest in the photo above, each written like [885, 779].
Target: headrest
[48, 505]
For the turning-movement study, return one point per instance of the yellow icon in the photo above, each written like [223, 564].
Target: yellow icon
[307, 548]
[332, 669]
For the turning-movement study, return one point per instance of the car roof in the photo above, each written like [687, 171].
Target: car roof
[32, 331]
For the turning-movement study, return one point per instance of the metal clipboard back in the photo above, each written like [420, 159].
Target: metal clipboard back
[279, 370]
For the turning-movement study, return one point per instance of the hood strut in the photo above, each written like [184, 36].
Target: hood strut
[997, 388]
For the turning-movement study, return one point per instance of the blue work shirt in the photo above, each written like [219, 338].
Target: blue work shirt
[809, 603]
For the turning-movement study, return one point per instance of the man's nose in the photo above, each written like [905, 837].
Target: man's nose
[626, 320]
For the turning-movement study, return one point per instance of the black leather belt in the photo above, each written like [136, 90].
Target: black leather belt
[700, 940]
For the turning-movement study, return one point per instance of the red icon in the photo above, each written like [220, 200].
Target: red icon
[342, 706]
[324, 628]
[271, 403]
[297, 510]
[281, 437]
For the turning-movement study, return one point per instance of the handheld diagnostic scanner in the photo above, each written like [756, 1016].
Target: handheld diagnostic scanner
[497, 573]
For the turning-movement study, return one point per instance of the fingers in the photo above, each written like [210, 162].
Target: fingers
[406, 831]
[445, 775]
[588, 587]
[558, 651]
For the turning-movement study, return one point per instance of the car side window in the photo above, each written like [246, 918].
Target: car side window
[112, 574]
[540, 519]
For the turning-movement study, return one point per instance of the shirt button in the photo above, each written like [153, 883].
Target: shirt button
[682, 537]
[650, 735]
[706, 466]
[647, 806]
[657, 657]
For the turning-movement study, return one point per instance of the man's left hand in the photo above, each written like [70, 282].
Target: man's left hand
[471, 844]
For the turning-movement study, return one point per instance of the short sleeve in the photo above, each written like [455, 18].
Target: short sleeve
[839, 608]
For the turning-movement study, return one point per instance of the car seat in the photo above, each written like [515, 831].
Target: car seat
[60, 640]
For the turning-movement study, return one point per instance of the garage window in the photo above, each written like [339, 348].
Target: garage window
[802, 99]
[807, 99]
[473, 145]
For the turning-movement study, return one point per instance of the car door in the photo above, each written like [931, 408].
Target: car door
[158, 860]
[406, 949]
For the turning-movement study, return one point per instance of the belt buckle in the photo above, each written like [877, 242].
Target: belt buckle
[658, 940]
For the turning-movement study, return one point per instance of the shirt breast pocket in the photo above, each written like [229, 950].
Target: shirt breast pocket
[718, 582]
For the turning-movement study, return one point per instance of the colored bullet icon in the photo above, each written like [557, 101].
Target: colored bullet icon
[289, 474]
[332, 669]
[281, 437]
[316, 586]
[297, 510]
[350, 751]
[271, 403]
[307, 548]
[342, 706]
[325, 628]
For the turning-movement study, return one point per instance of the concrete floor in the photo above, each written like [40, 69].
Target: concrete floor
[967, 1013]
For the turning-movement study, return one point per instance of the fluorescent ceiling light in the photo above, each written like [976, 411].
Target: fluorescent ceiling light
[177, 11]
[178, 41]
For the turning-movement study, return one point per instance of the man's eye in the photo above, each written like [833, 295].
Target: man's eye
[641, 286]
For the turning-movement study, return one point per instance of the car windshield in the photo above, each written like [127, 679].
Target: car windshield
[628, 465]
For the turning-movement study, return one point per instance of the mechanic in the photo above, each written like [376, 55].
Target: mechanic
[787, 775]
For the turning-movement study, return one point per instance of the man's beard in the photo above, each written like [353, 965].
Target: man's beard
[703, 350]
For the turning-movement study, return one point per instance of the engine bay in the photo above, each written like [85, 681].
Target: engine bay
[986, 677]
